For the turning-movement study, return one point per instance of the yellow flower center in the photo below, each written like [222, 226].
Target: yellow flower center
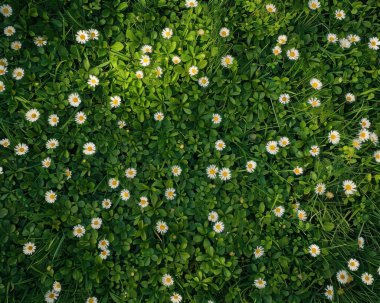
[82, 36]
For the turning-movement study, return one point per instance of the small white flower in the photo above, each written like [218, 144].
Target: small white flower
[220, 145]
[191, 3]
[53, 120]
[298, 170]
[213, 216]
[93, 81]
[176, 60]
[2, 86]
[113, 183]
[276, 50]
[361, 242]
[218, 227]
[115, 101]
[251, 166]
[224, 32]
[51, 296]
[6, 10]
[353, 38]
[176, 170]
[271, 8]
[167, 280]
[314, 150]
[79, 230]
[376, 155]
[314, 250]
[227, 61]
[374, 138]
[329, 292]
[158, 72]
[284, 98]
[279, 211]
[284, 141]
[143, 202]
[301, 214]
[162, 227]
[167, 33]
[350, 97]
[260, 283]
[293, 54]
[92, 300]
[74, 99]
[80, 118]
[175, 298]
[212, 171]
[21, 149]
[16, 45]
[314, 4]
[316, 84]
[332, 38]
[364, 123]
[216, 118]
[125, 195]
[9, 31]
[32, 115]
[93, 34]
[50, 196]
[81, 37]
[342, 276]
[159, 116]
[334, 137]
[18, 73]
[344, 43]
[340, 14]
[272, 147]
[282, 39]
[103, 244]
[353, 264]
[203, 81]
[57, 287]
[146, 49]
[145, 60]
[140, 74]
[225, 174]
[96, 223]
[52, 144]
[130, 173]
[374, 43]
[258, 252]
[106, 203]
[367, 278]
[3, 70]
[320, 189]
[349, 187]
[170, 193]
[314, 102]
[104, 254]
[39, 41]
[193, 70]
[363, 135]
[29, 248]
[89, 148]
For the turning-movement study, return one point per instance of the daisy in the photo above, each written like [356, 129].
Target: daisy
[115, 101]
[143, 202]
[96, 223]
[301, 214]
[225, 174]
[314, 150]
[81, 37]
[332, 38]
[80, 118]
[314, 250]
[356, 143]
[16, 45]
[220, 145]
[29, 248]
[92, 300]
[167, 33]
[53, 120]
[74, 99]
[145, 60]
[298, 170]
[189, 4]
[89, 148]
[376, 155]
[340, 14]
[51, 296]
[314, 102]
[216, 118]
[342, 276]
[367, 278]
[113, 183]
[329, 292]
[50, 196]
[176, 60]
[314, 4]
[9, 31]
[6, 10]
[203, 81]
[93, 81]
[167, 280]
[68, 173]
[213, 216]
[18, 73]
[293, 54]
[374, 43]
[106, 203]
[176, 170]
[175, 298]
[251, 166]
[46, 162]
[224, 32]
[78, 230]
[121, 123]
[162, 227]
[353, 38]
[170, 193]
[272, 147]
[353, 264]
[21, 149]
[259, 252]
[39, 41]
[218, 227]
[271, 8]
[103, 244]
[349, 187]
[364, 123]
[282, 39]
[361, 242]
[193, 70]
[3, 62]
[320, 189]
[158, 72]
[284, 98]
[227, 61]
[276, 50]
[3, 70]
[260, 283]
[374, 138]
[159, 116]
[344, 43]
[350, 97]
[125, 195]
[2, 86]
[146, 49]
[32, 115]
[104, 254]
[57, 287]
[316, 84]
[363, 135]
[93, 34]
[130, 173]
[5, 142]
[212, 171]
[284, 141]
[140, 74]
[334, 137]
[279, 211]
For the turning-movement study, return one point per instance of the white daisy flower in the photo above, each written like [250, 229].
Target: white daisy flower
[340, 14]
[80, 118]
[298, 170]
[276, 50]
[272, 147]
[96, 223]
[143, 202]
[103, 244]
[301, 214]
[159, 116]
[140, 74]
[314, 250]
[5, 142]
[364, 123]
[145, 60]
[363, 135]
[329, 292]
[57, 287]
[9, 31]
[353, 264]
[344, 43]
[51, 296]
[349, 187]
[176, 60]
[92, 300]
[191, 3]
[224, 32]
[314, 150]
[353, 38]
[376, 155]
[216, 118]
[125, 195]
[213, 216]
[79, 231]
[218, 227]
[170, 193]
[258, 252]
[21, 149]
[251, 166]
[2, 86]
[106, 203]
[130, 173]
[350, 97]
[342, 276]
[16, 45]
[6, 10]
[279, 211]
[167, 280]
[271, 8]
[320, 189]
[220, 145]
[115, 101]
[162, 227]
[81, 37]
[332, 38]
[175, 298]
[193, 70]
[227, 61]
[93, 81]
[18, 73]
[53, 120]
[176, 170]
[374, 43]
[39, 41]
[374, 138]
[225, 174]
[93, 34]
[3, 70]
[147, 49]
[361, 242]
[293, 54]
[104, 254]
[89, 148]
[29, 248]
[284, 98]
[50, 196]
[113, 183]
[74, 99]
[203, 82]
[314, 4]
[314, 102]
[316, 84]
[282, 39]
[260, 283]
[167, 33]
[32, 115]
[367, 278]
[334, 137]
[52, 144]
[284, 141]
[212, 171]
[46, 162]
[158, 72]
